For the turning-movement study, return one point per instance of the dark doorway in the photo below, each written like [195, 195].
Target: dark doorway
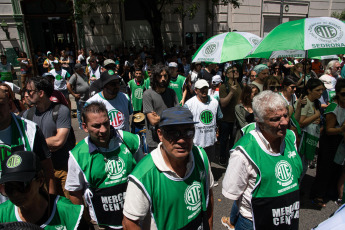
[49, 24]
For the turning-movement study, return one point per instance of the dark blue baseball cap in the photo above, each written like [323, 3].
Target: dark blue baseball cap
[176, 116]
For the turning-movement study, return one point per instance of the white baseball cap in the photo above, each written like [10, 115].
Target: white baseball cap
[173, 64]
[216, 79]
[201, 84]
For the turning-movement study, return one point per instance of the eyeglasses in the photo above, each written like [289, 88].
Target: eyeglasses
[177, 134]
[275, 87]
[342, 94]
[21, 187]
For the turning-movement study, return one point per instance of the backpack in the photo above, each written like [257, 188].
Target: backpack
[71, 140]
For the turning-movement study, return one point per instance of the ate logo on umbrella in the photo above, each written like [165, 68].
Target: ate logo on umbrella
[327, 32]
[210, 49]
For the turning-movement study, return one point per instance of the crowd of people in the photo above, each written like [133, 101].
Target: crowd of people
[152, 134]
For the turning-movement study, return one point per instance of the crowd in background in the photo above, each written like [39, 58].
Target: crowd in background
[313, 89]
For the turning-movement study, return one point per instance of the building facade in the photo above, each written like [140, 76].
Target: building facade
[55, 24]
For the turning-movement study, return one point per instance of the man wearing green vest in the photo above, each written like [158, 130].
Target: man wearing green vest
[171, 188]
[177, 83]
[6, 69]
[137, 87]
[19, 134]
[264, 169]
[98, 167]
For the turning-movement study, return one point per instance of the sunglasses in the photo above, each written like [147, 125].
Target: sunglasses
[339, 67]
[293, 87]
[272, 88]
[342, 94]
[177, 134]
[15, 186]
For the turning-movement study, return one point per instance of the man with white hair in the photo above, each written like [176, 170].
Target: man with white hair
[264, 169]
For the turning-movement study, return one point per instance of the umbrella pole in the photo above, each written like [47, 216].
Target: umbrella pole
[305, 66]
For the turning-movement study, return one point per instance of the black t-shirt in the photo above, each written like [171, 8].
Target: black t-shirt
[207, 76]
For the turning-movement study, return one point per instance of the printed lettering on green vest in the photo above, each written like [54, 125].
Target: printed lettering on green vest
[206, 117]
[283, 172]
[115, 168]
[138, 93]
[192, 198]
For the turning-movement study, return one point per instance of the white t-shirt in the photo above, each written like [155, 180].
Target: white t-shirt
[206, 116]
[118, 108]
[60, 82]
[137, 205]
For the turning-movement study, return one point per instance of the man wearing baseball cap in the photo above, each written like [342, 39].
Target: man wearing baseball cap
[206, 112]
[97, 85]
[23, 182]
[172, 186]
[177, 83]
[117, 103]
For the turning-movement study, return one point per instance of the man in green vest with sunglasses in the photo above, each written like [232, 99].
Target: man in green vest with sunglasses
[264, 170]
[171, 188]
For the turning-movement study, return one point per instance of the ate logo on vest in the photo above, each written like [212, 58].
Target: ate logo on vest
[206, 117]
[192, 196]
[283, 172]
[138, 93]
[60, 227]
[115, 168]
[117, 118]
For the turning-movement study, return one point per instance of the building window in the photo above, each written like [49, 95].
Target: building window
[192, 38]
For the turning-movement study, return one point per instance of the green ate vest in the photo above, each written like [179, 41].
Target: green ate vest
[23, 133]
[147, 83]
[65, 215]
[106, 176]
[275, 198]
[177, 86]
[176, 203]
[137, 94]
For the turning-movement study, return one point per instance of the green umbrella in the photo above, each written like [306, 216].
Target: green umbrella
[316, 36]
[225, 47]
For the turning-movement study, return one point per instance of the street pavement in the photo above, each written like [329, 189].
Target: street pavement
[310, 216]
